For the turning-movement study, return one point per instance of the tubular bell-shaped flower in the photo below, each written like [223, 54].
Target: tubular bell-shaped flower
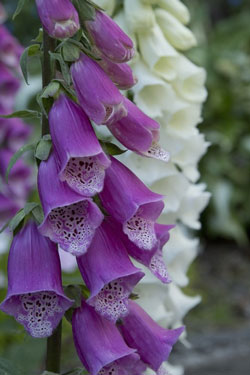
[35, 296]
[109, 38]
[132, 204]
[108, 273]
[100, 345]
[153, 343]
[139, 133]
[59, 17]
[98, 96]
[81, 159]
[70, 219]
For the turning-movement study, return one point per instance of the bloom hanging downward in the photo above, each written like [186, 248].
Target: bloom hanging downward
[132, 204]
[108, 273]
[139, 133]
[70, 219]
[81, 159]
[59, 17]
[100, 345]
[97, 95]
[35, 296]
[109, 38]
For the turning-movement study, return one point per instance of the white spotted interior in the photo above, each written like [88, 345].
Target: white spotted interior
[114, 369]
[158, 267]
[140, 231]
[39, 313]
[85, 175]
[156, 152]
[71, 227]
[112, 301]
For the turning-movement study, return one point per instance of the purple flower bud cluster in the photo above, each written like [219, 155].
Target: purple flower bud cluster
[13, 132]
[96, 209]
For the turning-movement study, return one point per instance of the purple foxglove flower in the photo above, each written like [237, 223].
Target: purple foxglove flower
[152, 342]
[98, 96]
[9, 86]
[139, 133]
[81, 158]
[15, 132]
[100, 345]
[70, 219]
[10, 49]
[59, 17]
[3, 14]
[153, 259]
[35, 296]
[109, 38]
[132, 204]
[8, 208]
[108, 273]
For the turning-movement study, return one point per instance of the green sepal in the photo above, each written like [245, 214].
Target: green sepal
[111, 148]
[26, 113]
[95, 5]
[70, 52]
[43, 147]
[33, 50]
[16, 156]
[38, 215]
[19, 8]
[76, 293]
[86, 11]
[63, 65]
[39, 37]
[45, 99]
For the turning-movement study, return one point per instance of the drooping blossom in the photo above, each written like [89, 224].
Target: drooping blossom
[100, 345]
[108, 273]
[82, 162]
[97, 95]
[153, 343]
[59, 17]
[35, 296]
[70, 219]
[109, 38]
[132, 204]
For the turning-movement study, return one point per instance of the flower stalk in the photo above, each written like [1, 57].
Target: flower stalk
[53, 355]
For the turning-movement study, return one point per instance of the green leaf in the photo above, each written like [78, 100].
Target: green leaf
[26, 113]
[7, 368]
[43, 149]
[16, 220]
[32, 50]
[19, 8]
[76, 371]
[63, 65]
[29, 206]
[111, 148]
[37, 212]
[39, 37]
[85, 10]
[17, 155]
[70, 52]
[95, 5]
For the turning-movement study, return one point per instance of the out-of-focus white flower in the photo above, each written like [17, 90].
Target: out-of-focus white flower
[175, 7]
[108, 5]
[158, 53]
[68, 261]
[190, 80]
[177, 34]
[139, 16]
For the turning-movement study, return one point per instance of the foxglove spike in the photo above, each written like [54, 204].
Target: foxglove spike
[81, 158]
[139, 133]
[100, 345]
[35, 296]
[13, 132]
[97, 95]
[153, 343]
[59, 17]
[9, 86]
[70, 219]
[110, 39]
[132, 204]
[108, 273]
[10, 49]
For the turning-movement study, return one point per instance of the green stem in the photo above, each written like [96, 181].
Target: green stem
[48, 70]
[53, 358]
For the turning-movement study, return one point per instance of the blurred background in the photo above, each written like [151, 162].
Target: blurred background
[218, 328]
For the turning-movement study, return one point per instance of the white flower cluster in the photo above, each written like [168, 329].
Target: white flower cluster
[171, 90]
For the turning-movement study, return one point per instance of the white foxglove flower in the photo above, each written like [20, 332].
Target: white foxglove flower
[139, 16]
[177, 34]
[190, 80]
[158, 53]
[108, 5]
[175, 7]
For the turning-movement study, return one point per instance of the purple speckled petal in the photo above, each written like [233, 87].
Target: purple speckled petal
[98, 96]
[35, 296]
[59, 17]
[70, 220]
[152, 342]
[80, 156]
[109, 38]
[100, 345]
[132, 204]
[108, 273]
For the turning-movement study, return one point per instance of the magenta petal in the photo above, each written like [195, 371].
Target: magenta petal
[108, 273]
[35, 296]
[59, 17]
[109, 38]
[80, 156]
[70, 219]
[97, 95]
[152, 342]
[100, 345]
